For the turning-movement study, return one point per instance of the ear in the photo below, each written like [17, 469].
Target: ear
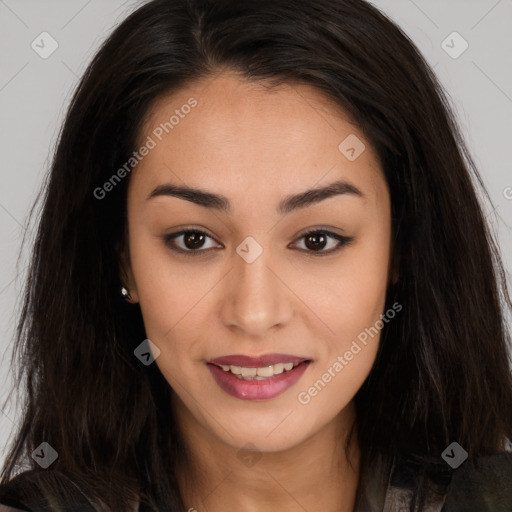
[126, 274]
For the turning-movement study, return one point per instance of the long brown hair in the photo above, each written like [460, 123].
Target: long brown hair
[442, 373]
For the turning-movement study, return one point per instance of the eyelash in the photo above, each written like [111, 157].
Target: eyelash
[343, 241]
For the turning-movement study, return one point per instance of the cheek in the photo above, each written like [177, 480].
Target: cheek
[353, 313]
[354, 290]
[175, 299]
[166, 292]
[335, 381]
[353, 307]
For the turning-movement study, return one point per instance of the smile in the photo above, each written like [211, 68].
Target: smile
[255, 378]
[262, 373]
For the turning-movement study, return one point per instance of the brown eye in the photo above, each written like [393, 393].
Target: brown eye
[192, 241]
[316, 242]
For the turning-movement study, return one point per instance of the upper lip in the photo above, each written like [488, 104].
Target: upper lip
[257, 362]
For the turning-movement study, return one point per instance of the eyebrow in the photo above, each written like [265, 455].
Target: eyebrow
[290, 203]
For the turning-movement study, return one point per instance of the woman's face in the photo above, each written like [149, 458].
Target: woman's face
[250, 284]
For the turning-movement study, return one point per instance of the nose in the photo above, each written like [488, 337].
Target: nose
[257, 298]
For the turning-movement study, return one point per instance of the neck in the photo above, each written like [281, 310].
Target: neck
[314, 475]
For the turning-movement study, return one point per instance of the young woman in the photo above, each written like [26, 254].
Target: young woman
[262, 278]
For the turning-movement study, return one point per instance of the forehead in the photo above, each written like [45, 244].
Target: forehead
[227, 134]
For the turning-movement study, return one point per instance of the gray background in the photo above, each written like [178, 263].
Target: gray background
[34, 93]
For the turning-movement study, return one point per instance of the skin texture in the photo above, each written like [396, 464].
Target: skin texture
[256, 146]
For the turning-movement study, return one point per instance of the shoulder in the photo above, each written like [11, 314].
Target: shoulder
[484, 484]
[37, 490]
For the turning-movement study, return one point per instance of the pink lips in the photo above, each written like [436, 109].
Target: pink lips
[256, 362]
[257, 389]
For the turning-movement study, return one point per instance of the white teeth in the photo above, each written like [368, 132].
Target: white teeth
[249, 372]
[262, 373]
[278, 368]
[268, 371]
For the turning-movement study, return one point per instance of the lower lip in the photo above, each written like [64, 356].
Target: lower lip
[257, 389]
